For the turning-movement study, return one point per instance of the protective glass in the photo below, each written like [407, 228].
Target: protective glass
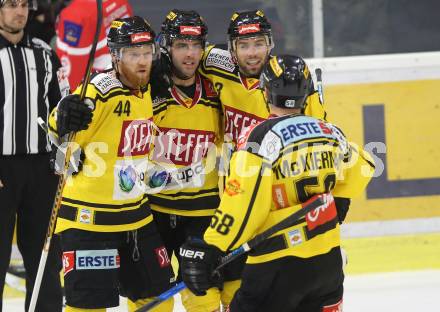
[137, 54]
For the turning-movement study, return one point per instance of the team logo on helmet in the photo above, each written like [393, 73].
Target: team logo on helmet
[141, 37]
[191, 30]
[248, 29]
[277, 70]
[171, 15]
[116, 24]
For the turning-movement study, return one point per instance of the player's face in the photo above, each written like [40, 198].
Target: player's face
[134, 65]
[14, 15]
[251, 54]
[186, 56]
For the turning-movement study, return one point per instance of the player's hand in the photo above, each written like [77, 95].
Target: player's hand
[198, 261]
[73, 114]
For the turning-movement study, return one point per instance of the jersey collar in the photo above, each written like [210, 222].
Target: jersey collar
[183, 99]
[249, 83]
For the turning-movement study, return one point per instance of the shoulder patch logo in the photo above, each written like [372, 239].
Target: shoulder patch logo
[233, 188]
[72, 33]
[220, 58]
[105, 82]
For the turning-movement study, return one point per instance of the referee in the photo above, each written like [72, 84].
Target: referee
[30, 86]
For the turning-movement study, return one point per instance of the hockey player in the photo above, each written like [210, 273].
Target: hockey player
[282, 162]
[74, 38]
[109, 240]
[189, 117]
[235, 73]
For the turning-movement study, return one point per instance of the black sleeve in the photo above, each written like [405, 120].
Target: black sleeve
[342, 206]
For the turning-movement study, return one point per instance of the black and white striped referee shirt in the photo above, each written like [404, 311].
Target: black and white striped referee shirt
[31, 84]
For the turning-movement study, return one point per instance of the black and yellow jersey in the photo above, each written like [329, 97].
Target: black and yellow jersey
[107, 195]
[283, 162]
[242, 101]
[190, 130]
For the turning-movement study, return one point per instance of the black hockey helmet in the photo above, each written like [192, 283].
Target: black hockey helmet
[288, 81]
[183, 25]
[32, 4]
[130, 31]
[249, 24]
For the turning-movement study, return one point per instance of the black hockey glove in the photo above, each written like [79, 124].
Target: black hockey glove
[342, 206]
[73, 114]
[57, 159]
[198, 261]
[161, 73]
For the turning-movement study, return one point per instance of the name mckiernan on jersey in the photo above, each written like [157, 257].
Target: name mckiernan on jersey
[307, 162]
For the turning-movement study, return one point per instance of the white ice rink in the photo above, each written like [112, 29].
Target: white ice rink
[389, 292]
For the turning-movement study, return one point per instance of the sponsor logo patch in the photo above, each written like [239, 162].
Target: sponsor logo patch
[279, 196]
[162, 257]
[221, 59]
[127, 179]
[135, 138]
[191, 30]
[97, 259]
[68, 261]
[233, 188]
[248, 29]
[182, 146]
[105, 82]
[85, 216]
[236, 121]
[72, 33]
[323, 214]
[141, 37]
[295, 237]
[324, 128]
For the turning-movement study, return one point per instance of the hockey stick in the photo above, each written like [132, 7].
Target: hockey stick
[318, 73]
[64, 176]
[321, 201]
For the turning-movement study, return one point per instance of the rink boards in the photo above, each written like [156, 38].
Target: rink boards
[392, 100]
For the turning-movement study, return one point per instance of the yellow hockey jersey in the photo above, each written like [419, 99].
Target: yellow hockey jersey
[242, 101]
[283, 162]
[107, 195]
[190, 130]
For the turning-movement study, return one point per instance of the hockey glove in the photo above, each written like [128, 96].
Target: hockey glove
[198, 262]
[342, 206]
[73, 114]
